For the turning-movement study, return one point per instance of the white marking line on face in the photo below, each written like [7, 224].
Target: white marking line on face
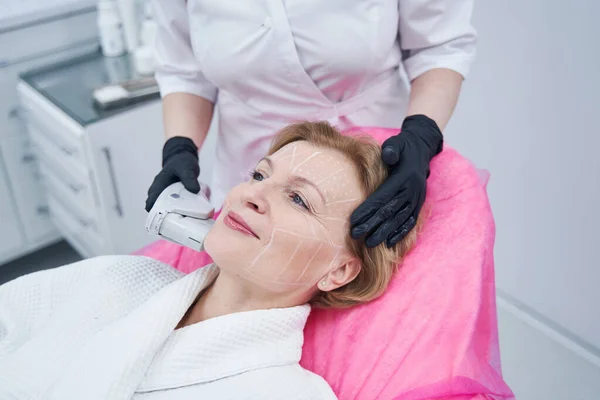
[279, 158]
[309, 261]
[337, 219]
[289, 260]
[262, 251]
[329, 268]
[279, 154]
[280, 283]
[329, 176]
[293, 157]
[312, 229]
[341, 201]
[328, 236]
[337, 247]
[305, 161]
[283, 153]
[304, 237]
[225, 204]
[335, 256]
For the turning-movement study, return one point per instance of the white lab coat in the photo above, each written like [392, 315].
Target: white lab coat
[103, 328]
[268, 63]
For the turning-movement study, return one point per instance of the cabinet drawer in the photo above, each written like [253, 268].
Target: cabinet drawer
[64, 156]
[80, 233]
[75, 194]
[23, 173]
[48, 120]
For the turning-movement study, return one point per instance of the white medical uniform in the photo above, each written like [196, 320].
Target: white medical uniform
[267, 63]
[103, 328]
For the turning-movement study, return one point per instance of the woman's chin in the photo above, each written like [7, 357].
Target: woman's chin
[219, 248]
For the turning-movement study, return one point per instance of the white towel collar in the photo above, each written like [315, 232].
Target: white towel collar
[227, 345]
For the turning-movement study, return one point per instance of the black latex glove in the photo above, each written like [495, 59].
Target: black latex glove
[392, 210]
[180, 163]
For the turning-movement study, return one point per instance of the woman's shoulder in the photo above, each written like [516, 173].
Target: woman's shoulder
[64, 280]
[126, 271]
[128, 264]
[32, 299]
[114, 264]
[135, 265]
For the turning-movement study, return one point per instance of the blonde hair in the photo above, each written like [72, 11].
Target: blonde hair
[378, 264]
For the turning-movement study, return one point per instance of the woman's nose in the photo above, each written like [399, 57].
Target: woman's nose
[256, 198]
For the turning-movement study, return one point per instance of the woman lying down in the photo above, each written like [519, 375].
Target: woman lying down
[126, 327]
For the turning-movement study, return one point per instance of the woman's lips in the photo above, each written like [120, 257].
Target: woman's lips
[236, 222]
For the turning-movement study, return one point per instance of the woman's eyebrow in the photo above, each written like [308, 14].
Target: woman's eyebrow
[302, 180]
[297, 179]
[268, 160]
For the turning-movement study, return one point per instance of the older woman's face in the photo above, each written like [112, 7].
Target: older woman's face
[287, 226]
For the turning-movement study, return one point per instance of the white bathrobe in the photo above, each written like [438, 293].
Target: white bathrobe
[103, 328]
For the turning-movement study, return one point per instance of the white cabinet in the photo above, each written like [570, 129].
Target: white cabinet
[126, 154]
[25, 46]
[11, 235]
[20, 161]
[67, 180]
[95, 166]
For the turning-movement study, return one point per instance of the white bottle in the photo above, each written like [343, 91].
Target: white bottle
[149, 27]
[110, 28]
[143, 56]
[131, 25]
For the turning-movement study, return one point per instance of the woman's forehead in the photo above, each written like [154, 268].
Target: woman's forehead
[329, 169]
[304, 156]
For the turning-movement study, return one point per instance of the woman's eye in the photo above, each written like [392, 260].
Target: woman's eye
[257, 176]
[298, 200]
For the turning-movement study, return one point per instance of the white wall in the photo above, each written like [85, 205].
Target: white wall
[529, 113]
[540, 363]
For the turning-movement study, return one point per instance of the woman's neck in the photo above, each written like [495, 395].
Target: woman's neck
[227, 295]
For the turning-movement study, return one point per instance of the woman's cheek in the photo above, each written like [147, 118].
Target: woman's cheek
[298, 260]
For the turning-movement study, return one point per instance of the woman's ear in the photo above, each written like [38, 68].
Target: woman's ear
[340, 276]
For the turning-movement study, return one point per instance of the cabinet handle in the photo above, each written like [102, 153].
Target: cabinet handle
[111, 172]
[28, 158]
[43, 210]
[75, 188]
[88, 224]
[14, 112]
[65, 150]
[84, 223]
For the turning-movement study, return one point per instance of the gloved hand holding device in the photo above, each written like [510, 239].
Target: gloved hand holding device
[180, 164]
